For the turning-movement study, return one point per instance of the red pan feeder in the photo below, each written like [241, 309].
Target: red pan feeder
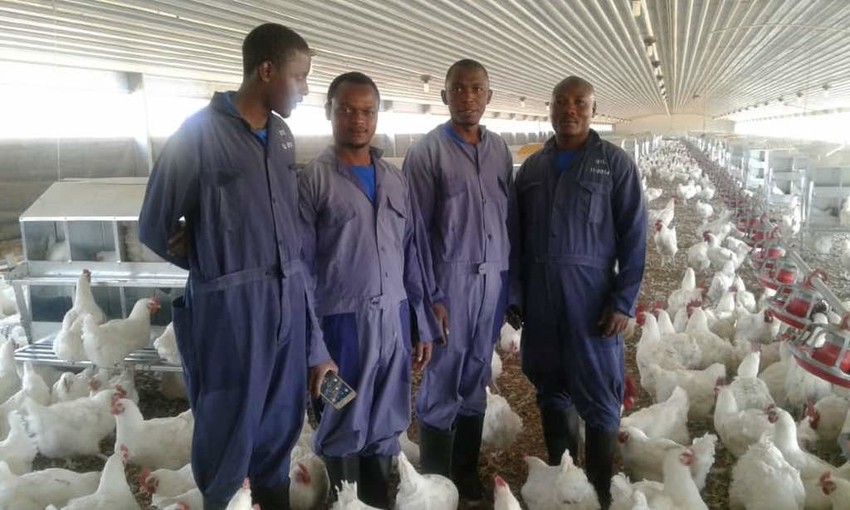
[795, 305]
[775, 273]
[824, 350]
[765, 251]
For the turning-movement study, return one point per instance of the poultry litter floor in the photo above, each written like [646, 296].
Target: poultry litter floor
[659, 282]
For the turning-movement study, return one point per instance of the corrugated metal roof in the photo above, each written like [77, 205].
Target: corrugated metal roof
[713, 57]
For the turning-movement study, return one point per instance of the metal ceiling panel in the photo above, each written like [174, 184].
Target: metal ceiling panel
[720, 58]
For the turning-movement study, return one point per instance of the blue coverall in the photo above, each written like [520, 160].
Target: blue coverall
[568, 230]
[245, 328]
[366, 270]
[461, 191]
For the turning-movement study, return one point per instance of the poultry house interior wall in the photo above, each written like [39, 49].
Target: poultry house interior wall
[677, 124]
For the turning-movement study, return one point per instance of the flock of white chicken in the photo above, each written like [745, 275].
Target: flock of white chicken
[708, 353]
[711, 353]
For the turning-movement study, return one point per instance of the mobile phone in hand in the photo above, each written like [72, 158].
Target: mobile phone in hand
[335, 391]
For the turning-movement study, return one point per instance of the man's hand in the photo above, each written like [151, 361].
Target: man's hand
[422, 355]
[612, 322]
[513, 316]
[179, 243]
[317, 374]
[442, 316]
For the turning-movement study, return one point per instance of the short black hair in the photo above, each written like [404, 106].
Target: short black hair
[572, 81]
[270, 42]
[466, 63]
[352, 77]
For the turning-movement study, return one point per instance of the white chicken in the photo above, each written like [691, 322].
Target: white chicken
[495, 367]
[309, 482]
[837, 489]
[652, 351]
[166, 346]
[502, 424]
[191, 499]
[510, 339]
[108, 344]
[112, 491]
[166, 483]
[697, 384]
[70, 386]
[643, 457]
[822, 244]
[10, 381]
[678, 492]
[665, 242]
[241, 500]
[17, 450]
[423, 492]
[763, 480]
[503, 498]
[704, 210]
[71, 428]
[687, 293]
[33, 387]
[698, 256]
[760, 327]
[156, 443]
[37, 490]
[668, 419]
[750, 391]
[713, 348]
[347, 499]
[653, 194]
[721, 281]
[68, 343]
[557, 487]
[665, 215]
[802, 386]
[410, 449]
[738, 428]
[824, 419]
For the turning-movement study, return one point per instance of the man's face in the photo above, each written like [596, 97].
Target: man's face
[572, 108]
[467, 95]
[354, 115]
[287, 82]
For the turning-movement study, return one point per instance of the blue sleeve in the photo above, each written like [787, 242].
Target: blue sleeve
[173, 192]
[423, 191]
[317, 351]
[515, 294]
[630, 222]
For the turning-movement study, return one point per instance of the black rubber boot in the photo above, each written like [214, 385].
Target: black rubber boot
[560, 432]
[600, 448]
[465, 458]
[275, 498]
[375, 480]
[342, 468]
[435, 450]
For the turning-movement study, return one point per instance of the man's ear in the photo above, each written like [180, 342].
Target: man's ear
[328, 110]
[444, 97]
[264, 71]
[489, 96]
[594, 109]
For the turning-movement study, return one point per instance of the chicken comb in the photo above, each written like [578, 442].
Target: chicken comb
[143, 479]
[499, 481]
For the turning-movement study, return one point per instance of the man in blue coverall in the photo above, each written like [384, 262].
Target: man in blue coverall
[222, 202]
[460, 175]
[359, 242]
[577, 213]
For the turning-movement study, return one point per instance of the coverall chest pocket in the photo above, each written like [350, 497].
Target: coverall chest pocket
[336, 215]
[593, 201]
[397, 215]
[453, 185]
[229, 184]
